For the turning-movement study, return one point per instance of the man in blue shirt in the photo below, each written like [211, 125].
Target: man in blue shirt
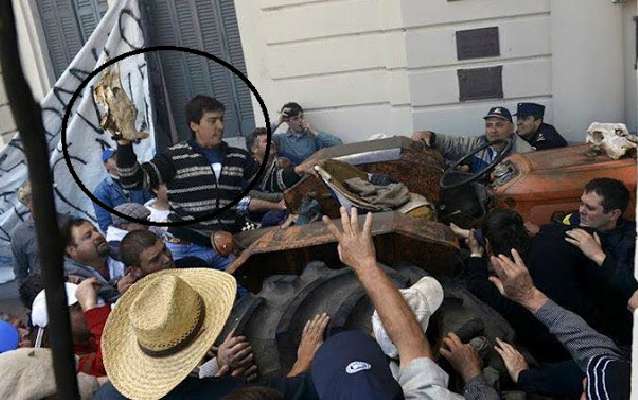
[301, 140]
[111, 192]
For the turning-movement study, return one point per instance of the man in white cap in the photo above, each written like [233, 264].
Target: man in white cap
[419, 376]
[88, 316]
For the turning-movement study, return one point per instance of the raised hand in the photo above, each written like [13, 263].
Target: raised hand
[356, 247]
[311, 340]
[514, 282]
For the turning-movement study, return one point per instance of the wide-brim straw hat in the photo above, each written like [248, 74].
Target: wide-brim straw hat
[162, 327]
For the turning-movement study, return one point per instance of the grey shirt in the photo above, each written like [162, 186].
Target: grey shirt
[423, 379]
[108, 288]
[454, 147]
[572, 331]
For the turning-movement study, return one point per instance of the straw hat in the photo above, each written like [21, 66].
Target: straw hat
[162, 327]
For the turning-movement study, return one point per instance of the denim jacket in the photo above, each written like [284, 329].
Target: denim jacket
[111, 193]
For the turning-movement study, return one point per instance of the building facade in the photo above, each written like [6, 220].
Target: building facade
[362, 67]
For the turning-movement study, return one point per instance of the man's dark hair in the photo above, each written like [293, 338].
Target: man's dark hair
[505, 231]
[254, 393]
[291, 109]
[614, 193]
[66, 230]
[29, 289]
[199, 105]
[250, 139]
[134, 243]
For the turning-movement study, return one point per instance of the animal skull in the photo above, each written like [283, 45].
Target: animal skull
[611, 137]
[121, 113]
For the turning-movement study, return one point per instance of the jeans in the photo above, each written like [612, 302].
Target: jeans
[208, 254]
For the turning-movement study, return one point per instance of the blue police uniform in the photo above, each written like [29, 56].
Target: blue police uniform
[546, 137]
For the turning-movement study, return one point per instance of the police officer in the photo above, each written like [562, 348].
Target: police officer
[532, 129]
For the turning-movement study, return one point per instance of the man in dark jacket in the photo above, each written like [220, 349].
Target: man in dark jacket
[531, 127]
[609, 241]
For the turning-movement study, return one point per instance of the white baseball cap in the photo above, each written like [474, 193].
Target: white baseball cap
[424, 298]
[39, 314]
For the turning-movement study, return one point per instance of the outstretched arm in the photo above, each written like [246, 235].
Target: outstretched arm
[149, 175]
[356, 249]
[583, 342]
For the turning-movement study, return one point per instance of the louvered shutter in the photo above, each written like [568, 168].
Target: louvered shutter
[209, 25]
[235, 54]
[67, 25]
[89, 13]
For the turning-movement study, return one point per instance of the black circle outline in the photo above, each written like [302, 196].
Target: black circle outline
[205, 217]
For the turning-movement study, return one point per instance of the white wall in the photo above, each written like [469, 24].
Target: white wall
[362, 67]
[587, 64]
[32, 53]
[344, 61]
[33, 65]
[525, 55]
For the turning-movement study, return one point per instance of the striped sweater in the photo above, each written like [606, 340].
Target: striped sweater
[192, 187]
[275, 179]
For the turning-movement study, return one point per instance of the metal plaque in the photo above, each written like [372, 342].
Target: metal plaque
[477, 43]
[480, 83]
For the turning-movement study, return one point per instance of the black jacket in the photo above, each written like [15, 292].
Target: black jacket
[545, 138]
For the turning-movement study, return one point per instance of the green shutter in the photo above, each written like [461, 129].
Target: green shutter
[209, 25]
[67, 25]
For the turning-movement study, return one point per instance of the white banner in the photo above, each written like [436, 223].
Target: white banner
[118, 32]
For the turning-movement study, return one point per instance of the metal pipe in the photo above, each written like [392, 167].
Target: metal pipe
[28, 117]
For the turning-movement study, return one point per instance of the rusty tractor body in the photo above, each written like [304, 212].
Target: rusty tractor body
[400, 157]
[294, 273]
[545, 183]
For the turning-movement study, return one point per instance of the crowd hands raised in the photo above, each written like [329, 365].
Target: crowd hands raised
[541, 283]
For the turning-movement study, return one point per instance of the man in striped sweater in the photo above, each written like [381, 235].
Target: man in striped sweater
[203, 176]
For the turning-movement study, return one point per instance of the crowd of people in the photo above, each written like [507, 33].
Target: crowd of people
[147, 303]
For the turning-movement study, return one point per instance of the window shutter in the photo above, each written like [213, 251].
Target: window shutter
[67, 25]
[89, 13]
[209, 25]
[236, 57]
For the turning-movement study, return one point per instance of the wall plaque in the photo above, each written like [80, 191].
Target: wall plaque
[480, 83]
[477, 43]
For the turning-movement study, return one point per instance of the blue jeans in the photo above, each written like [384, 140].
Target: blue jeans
[208, 254]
